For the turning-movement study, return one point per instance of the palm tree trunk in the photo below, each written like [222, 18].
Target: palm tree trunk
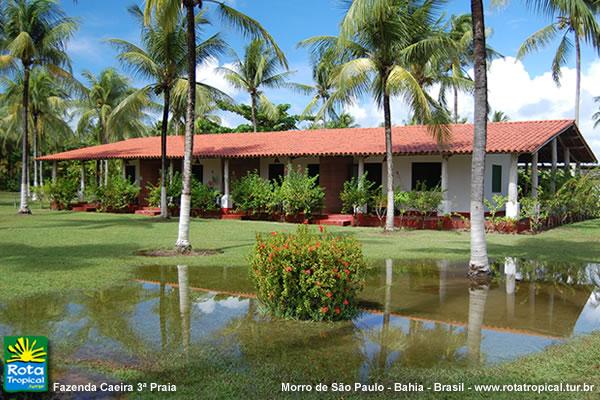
[479, 263]
[183, 241]
[164, 213]
[455, 105]
[577, 77]
[24, 206]
[254, 123]
[387, 118]
[34, 144]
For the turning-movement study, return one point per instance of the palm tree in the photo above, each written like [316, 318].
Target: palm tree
[479, 262]
[48, 101]
[166, 13]
[162, 60]
[111, 108]
[324, 66]
[383, 40]
[34, 32]
[500, 116]
[259, 68]
[576, 19]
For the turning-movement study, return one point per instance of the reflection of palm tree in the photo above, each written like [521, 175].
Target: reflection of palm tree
[477, 297]
[383, 350]
[184, 306]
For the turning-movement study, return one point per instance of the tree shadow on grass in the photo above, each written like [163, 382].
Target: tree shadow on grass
[60, 257]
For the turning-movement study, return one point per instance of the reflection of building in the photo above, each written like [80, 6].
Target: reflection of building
[440, 294]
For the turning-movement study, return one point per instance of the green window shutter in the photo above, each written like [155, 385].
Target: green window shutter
[496, 178]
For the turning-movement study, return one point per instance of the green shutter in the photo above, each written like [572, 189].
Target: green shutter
[496, 178]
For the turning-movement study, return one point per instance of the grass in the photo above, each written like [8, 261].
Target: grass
[53, 252]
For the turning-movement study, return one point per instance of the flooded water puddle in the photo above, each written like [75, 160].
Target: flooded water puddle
[414, 314]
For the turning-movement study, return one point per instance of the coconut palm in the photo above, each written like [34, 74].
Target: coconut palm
[111, 109]
[166, 13]
[162, 60]
[34, 32]
[258, 69]
[384, 41]
[479, 263]
[500, 116]
[48, 101]
[324, 66]
[575, 22]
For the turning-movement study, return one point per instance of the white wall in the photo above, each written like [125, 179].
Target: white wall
[212, 173]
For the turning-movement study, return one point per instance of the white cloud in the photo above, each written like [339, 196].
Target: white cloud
[208, 73]
[522, 96]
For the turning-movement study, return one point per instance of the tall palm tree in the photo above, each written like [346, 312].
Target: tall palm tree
[324, 65]
[162, 59]
[48, 100]
[34, 32]
[258, 69]
[382, 39]
[166, 13]
[479, 263]
[575, 22]
[111, 109]
[500, 116]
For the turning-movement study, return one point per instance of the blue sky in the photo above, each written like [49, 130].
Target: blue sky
[522, 89]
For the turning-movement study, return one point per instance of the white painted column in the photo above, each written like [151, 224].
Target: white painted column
[445, 206]
[226, 199]
[82, 182]
[567, 158]
[554, 162]
[361, 171]
[534, 175]
[54, 171]
[512, 206]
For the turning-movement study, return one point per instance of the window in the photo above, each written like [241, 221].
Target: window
[427, 173]
[373, 171]
[496, 178]
[313, 170]
[276, 172]
[198, 172]
[130, 173]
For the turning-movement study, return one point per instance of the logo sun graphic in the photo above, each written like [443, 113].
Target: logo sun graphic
[25, 351]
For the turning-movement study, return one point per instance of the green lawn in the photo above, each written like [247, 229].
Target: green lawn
[53, 252]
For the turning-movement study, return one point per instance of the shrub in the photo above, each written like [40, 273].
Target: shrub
[62, 192]
[252, 194]
[117, 195]
[403, 201]
[308, 275]
[204, 198]
[174, 187]
[299, 193]
[498, 201]
[357, 192]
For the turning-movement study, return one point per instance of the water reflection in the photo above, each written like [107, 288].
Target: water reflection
[416, 314]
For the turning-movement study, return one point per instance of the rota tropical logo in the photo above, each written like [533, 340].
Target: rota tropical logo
[25, 364]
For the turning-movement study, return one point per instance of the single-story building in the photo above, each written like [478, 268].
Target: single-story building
[338, 154]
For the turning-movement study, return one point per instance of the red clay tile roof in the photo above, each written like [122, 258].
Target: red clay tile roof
[506, 137]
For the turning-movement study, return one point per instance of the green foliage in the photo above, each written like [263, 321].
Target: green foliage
[498, 201]
[278, 119]
[174, 187]
[533, 210]
[357, 192]
[117, 195]
[61, 193]
[204, 197]
[308, 275]
[403, 201]
[426, 200]
[299, 193]
[253, 194]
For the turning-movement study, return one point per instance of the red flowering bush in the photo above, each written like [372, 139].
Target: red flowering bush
[308, 275]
